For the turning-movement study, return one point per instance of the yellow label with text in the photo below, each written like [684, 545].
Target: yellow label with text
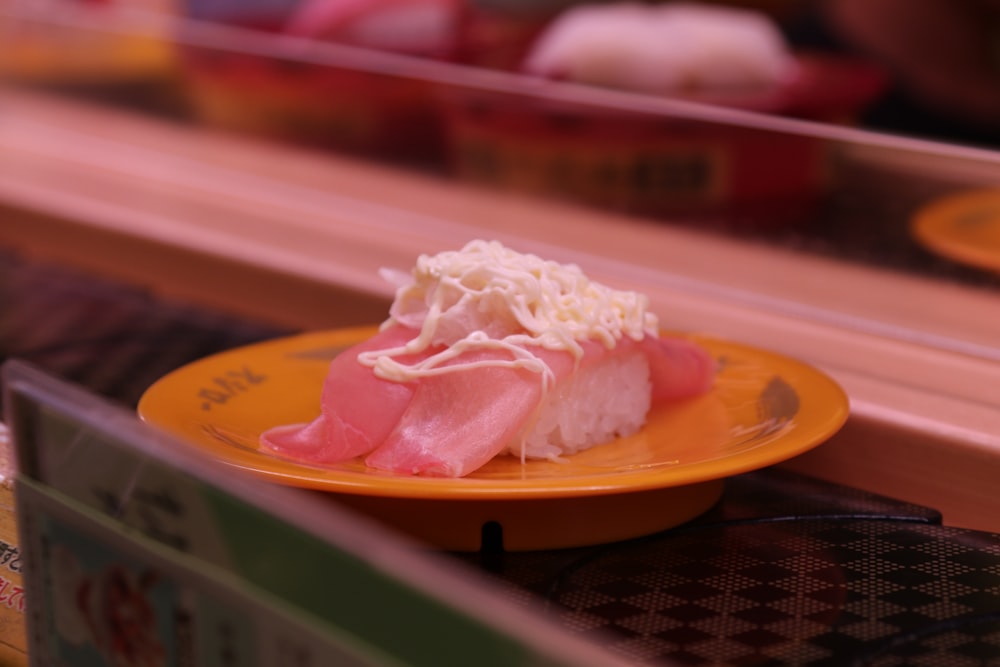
[13, 638]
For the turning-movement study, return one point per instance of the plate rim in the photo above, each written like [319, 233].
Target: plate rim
[932, 225]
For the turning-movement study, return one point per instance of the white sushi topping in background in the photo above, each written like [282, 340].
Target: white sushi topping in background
[395, 25]
[489, 297]
[662, 48]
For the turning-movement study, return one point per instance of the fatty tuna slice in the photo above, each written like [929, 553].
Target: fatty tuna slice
[678, 368]
[358, 409]
[458, 421]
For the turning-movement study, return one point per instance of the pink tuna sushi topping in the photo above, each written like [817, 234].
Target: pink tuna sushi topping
[358, 409]
[678, 368]
[459, 421]
[452, 423]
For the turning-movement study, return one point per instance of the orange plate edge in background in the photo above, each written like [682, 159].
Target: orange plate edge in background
[964, 227]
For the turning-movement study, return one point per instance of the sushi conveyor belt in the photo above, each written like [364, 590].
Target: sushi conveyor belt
[785, 570]
[864, 220]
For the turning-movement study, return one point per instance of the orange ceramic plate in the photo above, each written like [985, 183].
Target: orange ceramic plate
[765, 408]
[963, 227]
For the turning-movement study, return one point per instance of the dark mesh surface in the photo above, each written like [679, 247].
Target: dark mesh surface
[811, 591]
[113, 339]
[786, 570]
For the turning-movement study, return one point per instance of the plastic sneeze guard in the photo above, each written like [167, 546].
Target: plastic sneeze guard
[192, 563]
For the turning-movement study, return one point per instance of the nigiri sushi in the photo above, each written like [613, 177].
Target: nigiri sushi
[490, 352]
[663, 48]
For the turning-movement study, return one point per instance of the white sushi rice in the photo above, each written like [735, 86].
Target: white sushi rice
[595, 405]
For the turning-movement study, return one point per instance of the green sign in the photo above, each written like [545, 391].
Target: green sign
[139, 550]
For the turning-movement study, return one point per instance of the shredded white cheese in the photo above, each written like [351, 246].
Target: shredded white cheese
[489, 297]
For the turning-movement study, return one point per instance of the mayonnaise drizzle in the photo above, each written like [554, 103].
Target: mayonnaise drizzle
[488, 297]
